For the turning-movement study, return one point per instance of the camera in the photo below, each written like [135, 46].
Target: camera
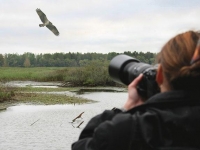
[124, 69]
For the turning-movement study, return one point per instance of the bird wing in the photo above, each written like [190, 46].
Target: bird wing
[53, 29]
[42, 16]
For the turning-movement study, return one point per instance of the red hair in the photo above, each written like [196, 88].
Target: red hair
[175, 58]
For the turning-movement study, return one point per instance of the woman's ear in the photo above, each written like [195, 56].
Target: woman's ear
[159, 75]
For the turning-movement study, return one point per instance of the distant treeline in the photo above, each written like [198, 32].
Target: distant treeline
[66, 59]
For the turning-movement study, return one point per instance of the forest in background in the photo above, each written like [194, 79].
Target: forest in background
[66, 59]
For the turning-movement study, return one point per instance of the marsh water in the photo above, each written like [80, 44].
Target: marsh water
[40, 127]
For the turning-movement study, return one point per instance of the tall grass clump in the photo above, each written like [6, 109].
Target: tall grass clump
[93, 74]
[6, 93]
[58, 75]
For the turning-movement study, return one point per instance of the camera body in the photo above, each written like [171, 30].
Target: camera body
[124, 69]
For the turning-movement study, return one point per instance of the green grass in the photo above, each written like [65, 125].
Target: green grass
[94, 74]
[34, 74]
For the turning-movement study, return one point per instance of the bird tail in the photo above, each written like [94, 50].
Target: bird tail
[41, 25]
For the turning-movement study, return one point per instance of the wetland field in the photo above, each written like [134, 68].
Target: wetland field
[48, 85]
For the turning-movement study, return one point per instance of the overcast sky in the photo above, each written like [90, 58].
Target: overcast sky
[100, 26]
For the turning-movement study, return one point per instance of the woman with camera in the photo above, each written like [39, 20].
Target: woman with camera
[167, 120]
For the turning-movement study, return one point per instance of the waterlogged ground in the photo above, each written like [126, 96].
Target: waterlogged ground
[40, 127]
[46, 93]
[33, 84]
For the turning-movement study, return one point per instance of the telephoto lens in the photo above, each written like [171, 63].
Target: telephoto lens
[124, 69]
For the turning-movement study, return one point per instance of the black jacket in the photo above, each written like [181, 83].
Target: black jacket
[169, 120]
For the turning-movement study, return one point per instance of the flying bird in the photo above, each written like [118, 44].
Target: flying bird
[46, 22]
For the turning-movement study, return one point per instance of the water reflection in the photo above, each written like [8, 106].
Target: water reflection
[48, 127]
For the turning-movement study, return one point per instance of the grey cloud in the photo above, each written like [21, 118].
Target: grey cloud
[94, 26]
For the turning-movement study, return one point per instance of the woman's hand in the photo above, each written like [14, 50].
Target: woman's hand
[134, 98]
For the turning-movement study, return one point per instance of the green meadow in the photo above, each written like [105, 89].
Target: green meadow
[93, 75]
[32, 73]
